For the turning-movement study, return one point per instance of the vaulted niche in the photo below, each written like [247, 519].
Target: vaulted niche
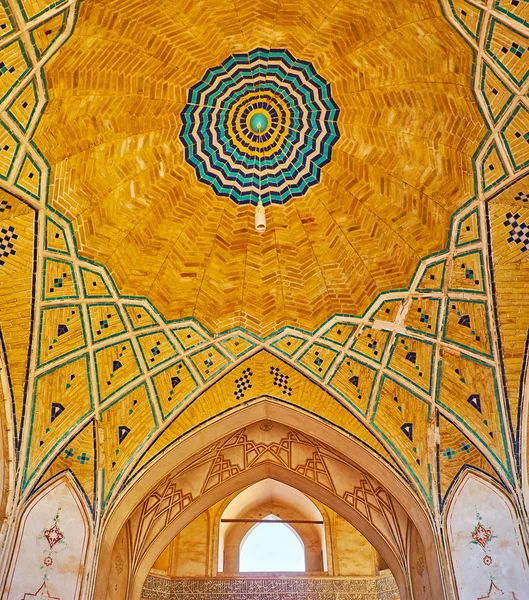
[269, 528]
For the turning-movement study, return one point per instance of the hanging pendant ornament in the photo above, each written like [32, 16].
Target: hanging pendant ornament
[260, 217]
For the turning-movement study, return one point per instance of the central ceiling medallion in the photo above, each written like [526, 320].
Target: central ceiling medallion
[259, 127]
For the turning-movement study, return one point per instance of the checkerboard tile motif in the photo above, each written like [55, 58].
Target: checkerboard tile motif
[519, 232]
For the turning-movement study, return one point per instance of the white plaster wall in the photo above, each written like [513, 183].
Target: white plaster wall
[496, 568]
[36, 562]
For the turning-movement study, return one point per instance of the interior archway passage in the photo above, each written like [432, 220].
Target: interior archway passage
[213, 543]
[244, 453]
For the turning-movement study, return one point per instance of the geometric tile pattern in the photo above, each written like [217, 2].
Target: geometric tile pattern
[30, 177]
[237, 346]
[515, 135]
[62, 332]
[6, 21]
[468, 16]
[495, 93]
[94, 284]
[105, 321]
[348, 355]
[433, 278]
[502, 78]
[467, 274]
[371, 343]
[468, 229]
[55, 237]
[457, 453]
[263, 374]
[78, 457]
[209, 362]
[61, 401]
[46, 33]
[508, 49]
[13, 66]
[468, 390]
[354, 381]
[423, 315]
[16, 301]
[377, 397]
[289, 344]
[139, 317]
[388, 311]
[511, 274]
[493, 169]
[173, 386]
[126, 423]
[402, 418]
[318, 359]
[339, 333]
[519, 232]
[59, 280]
[24, 105]
[168, 237]
[413, 360]
[116, 366]
[156, 348]
[467, 324]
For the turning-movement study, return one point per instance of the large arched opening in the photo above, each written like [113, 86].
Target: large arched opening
[251, 538]
[135, 517]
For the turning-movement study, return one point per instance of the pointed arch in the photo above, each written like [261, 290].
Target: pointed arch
[182, 455]
[484, 539]
[291, 387]
[277, 501]
[53, 539]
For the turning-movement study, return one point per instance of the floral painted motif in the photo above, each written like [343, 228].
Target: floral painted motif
[481, 535]
[53, 542]
[53, 535]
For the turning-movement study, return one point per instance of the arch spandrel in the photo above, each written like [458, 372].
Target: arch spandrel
[249, 447]
[78, 458]
[270, 377]
[275, 453]
[164, 536]
[457, 454]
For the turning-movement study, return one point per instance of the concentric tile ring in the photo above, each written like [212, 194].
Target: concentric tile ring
[276, 164]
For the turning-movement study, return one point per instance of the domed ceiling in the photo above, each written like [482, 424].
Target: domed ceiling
[402, 162]
[378, 103]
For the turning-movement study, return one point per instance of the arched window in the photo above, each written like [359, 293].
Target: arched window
[243, 517]
[271, 547]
